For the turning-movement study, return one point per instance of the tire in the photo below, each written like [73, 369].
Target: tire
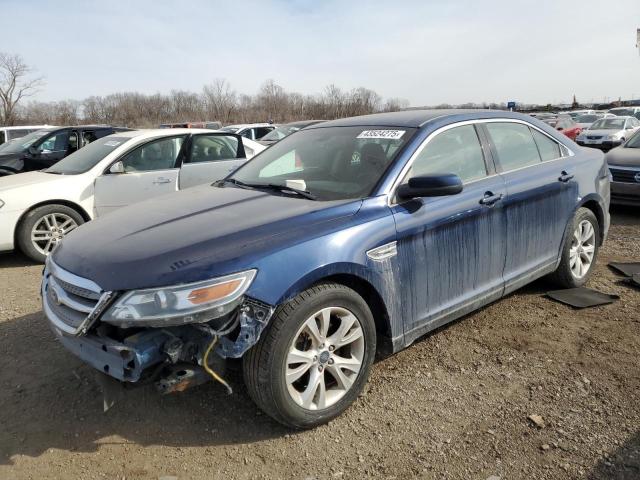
[565, 275]
[66, 219]
[265, 366]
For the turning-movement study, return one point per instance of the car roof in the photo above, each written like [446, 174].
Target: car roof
[22, 127]
[246, 125]
[418, 118]
[164, 132]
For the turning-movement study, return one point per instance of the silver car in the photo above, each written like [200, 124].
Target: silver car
[608, 133]
[585, 121]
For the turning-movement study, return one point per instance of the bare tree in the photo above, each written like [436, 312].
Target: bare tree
[16, 83]
[220, 101]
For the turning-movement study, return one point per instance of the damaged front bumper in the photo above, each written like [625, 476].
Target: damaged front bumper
[172, 357]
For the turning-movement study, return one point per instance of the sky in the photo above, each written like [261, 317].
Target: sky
[426, 51]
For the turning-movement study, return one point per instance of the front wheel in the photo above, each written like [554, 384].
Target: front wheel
[43, 228]
[313, 360]
[579, 252]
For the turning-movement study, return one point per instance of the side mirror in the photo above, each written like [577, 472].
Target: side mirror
[436, 185]
[33, 151]
[117, 167]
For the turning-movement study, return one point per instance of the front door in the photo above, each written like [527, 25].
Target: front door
[149, 170]
[53, 149]
[211, 156]
[541, 197]
[451, 249]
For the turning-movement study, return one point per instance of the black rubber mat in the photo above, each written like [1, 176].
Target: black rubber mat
[633, 281]
[582, 297]
[626, 268]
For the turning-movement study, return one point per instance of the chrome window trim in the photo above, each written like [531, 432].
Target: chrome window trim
[403, 173]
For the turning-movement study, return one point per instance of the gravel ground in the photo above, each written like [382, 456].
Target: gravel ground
[461, 403]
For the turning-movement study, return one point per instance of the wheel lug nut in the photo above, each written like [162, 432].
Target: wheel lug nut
[331, 348]
[315, 359]
[320, 368]
[331, 361]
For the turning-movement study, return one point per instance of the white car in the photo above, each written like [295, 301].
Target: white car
[585, 121]
[252, 131]
[38, 208]
[608, 133]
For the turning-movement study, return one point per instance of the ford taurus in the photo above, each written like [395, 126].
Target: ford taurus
[346, 239]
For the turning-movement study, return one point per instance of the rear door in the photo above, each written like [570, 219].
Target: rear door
[210, 157]
[150, 170]
[541, 197]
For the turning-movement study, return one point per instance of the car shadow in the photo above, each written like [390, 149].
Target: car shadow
[49, 399]
[624, 215]
[624, 464]
[15, 259]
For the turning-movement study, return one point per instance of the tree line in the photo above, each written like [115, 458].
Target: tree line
[217, 101]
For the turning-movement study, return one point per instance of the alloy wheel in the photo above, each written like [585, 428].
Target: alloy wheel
[324, 358]
[583, 247]
[49, 231]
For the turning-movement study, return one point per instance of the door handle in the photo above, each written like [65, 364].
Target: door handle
[565, 177]
[161, 180]
[490, 199]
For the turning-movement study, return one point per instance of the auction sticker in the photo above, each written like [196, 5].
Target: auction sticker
[389, 134]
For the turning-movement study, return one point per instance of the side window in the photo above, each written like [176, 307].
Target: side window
[549, 149]
[2, 137]
[211, 148]
[456, 150]
[262, 131]
[156, 155]
[514, 145]
[248, 133]
[88, 136]
[55, 143]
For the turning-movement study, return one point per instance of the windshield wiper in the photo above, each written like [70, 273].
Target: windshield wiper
[269, 186]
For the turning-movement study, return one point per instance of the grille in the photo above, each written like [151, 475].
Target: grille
[594, 137]
[624, 176]
[69, 300]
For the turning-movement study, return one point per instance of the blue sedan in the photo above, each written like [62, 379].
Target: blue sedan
[346, 239]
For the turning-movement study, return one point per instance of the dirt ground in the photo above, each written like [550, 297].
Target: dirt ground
[454, 405]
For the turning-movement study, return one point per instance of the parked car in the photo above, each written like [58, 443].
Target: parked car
[566, 125]
[252, 131]
[608, 133]
[207, 124]
[285, 130]
[43, 148]
[349, 236]
[585, 121]
[624, 165]
[626, 112]
[11, 133]
[576, 113]
[37, 209]
[544, 115]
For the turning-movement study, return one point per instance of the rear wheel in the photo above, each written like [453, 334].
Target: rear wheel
[43, 228]
[579, 252]
[314, 359]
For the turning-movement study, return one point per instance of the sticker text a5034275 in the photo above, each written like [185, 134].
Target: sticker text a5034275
[388, 134]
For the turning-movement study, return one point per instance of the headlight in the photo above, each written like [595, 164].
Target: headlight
[613, 136]
[181, 304]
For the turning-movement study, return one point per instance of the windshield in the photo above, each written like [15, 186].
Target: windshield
[280, 132]
[229, 129]
[19, 145]
[588, 118]
[608, 124]
[87, 157]
[332, 163]
[634, 142]
[622, 112]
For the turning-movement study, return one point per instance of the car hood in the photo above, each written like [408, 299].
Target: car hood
[12, 182]
[624, 157]
[601, 132]
[192, 235]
